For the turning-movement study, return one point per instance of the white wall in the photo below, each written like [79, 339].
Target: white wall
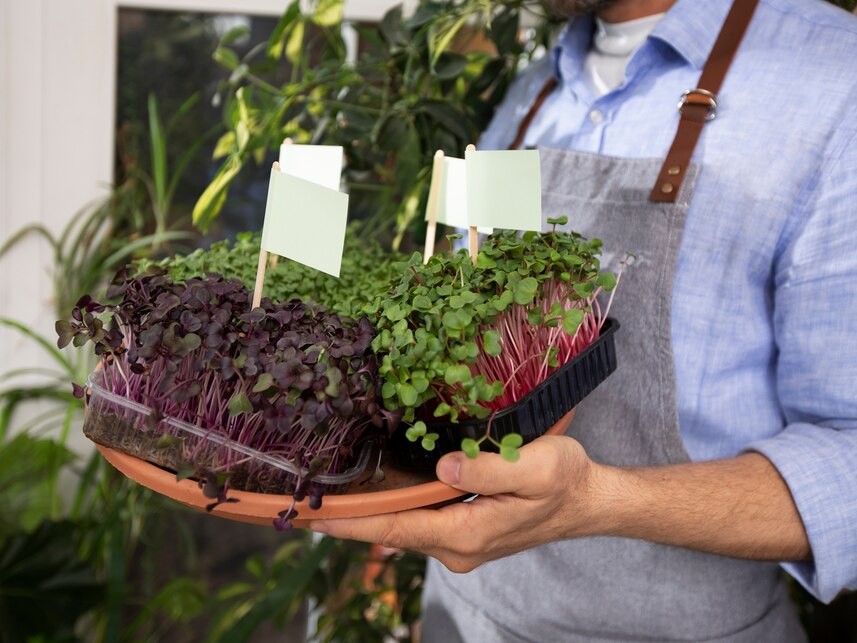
[55, 148]
[57, 96]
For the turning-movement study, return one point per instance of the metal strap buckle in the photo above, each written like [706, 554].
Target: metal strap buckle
[712, 101]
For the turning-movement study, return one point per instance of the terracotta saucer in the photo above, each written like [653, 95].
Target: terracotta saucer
[400, 490]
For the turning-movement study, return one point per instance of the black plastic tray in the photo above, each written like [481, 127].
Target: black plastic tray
[530, 417]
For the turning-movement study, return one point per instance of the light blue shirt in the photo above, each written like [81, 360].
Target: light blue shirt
[764, 319]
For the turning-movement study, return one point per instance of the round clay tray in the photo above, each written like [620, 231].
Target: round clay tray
[400, 490]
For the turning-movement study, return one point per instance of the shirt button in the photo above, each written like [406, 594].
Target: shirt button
[596, 116]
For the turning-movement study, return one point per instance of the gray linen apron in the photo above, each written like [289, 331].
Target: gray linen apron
[617, 589]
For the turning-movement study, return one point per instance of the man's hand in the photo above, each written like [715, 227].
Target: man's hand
[737, 507]
[544, 496]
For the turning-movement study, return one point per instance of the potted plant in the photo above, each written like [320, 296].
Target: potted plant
[275, 399]
[470, 343]
[531, 301]
[278, 400]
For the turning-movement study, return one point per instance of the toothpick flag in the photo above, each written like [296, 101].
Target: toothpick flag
[432, 206]
[321, 164]
[472, 236]
[306, 214]
[504, 189]
[452, 207]
[485, 190]
[305, 221]
[447, 201]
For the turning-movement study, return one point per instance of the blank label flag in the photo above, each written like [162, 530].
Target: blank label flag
[504, 189]
[305, 222]
[320, 164]
[452, 205]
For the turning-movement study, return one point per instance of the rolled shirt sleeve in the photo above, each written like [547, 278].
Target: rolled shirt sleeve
[818, 464]
[815, 325]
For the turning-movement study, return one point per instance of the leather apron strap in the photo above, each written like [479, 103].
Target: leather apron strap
[546, 91]
[696, 106]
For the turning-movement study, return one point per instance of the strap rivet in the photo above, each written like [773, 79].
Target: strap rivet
[672, 170]
[667, 188]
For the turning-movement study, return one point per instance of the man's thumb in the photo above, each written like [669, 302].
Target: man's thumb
[485, 474]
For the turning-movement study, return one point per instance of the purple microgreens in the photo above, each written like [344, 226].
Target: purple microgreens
[77, 390]
[300, 491]
[214, 485]
[286, 379]
[153, 419]
[284, 521]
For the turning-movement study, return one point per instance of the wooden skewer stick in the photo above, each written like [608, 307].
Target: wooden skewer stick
[260, 278]
[275, 259]
[433, 201]
[260, 268]
[472, 234]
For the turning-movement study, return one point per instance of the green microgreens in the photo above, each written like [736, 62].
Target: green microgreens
[456, 340]
[419, 432]
[508, 446]
[367, 269]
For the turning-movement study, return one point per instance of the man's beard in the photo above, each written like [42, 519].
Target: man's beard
[569, 8]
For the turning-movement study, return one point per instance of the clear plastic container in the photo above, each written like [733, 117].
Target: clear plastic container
[133, 428]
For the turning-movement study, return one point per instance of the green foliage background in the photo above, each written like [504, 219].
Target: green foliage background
[417, 84]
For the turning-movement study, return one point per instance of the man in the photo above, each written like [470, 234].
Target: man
[727, 440]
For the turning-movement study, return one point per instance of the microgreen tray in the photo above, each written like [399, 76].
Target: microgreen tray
[530, 417]
[133, 428]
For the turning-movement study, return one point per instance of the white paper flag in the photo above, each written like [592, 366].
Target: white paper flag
[320, 164]
[305, 221]
[452, 204]
[504, 189]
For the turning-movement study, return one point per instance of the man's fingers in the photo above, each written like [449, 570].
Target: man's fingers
[447, 533]
[414, 530]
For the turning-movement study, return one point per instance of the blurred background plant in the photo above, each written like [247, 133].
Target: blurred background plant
[113, 561]
[414, 85]
[72, 550]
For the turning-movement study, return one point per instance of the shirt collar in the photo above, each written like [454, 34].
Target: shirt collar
[571, 47]
[690, 28]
